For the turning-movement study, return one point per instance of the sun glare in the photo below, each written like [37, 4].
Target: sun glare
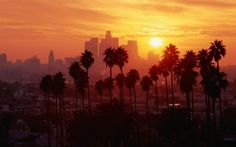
[156, 42]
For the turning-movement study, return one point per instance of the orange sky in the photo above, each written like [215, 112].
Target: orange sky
[33, 27]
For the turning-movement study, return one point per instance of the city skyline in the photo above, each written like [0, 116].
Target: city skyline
[62, 25]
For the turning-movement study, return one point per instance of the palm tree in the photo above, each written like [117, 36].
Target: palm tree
[59, 86]
[153, 72]
[133, 76]
[146, 83]
[86, 61]
[108, 84]
[165, 74]
[120, 80]
[99, 88]
[110, 61]
[74, 72]
[186, 77]
[45, 86]
[204, 64]
[121, 58]
[82, 84]
[129, 85]
[216, 52]
[171, 57]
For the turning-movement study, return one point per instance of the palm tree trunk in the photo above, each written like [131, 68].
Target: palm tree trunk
[82, 94]
[214, 114]
[110, 92]
[57, 132]
[130, 96]
[188, 104]
[89, 100]
[192, 105]
[172, 88]
[157, 102]
[101, 98]
[147, 103]
[122, 88]
[135, 101]
[61, 122]
[167, 96]
[48, 115]
[76, 99]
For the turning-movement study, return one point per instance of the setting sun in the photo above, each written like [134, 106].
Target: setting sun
[156, 42]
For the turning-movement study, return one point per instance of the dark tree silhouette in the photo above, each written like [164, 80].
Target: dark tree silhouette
[132, 78]
[186, 77]
[108, 83]
[58, 88]
[46, 87]
[146, 83]
[82, 84]
[120, 81]
[74, 73]
[86, 61]
[121, 58]
[153, 72]
[171, 57]
[165, 74]
[110, 61]
[99, 86]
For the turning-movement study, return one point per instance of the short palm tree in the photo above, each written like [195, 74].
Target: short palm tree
[82, 84]
[120, 80]
[74, 73]
[86, 61]
[99, 86]
[46, 87]
[146, 83]
[133, 77]
[153, 72]
[171, 57]
[108, 84]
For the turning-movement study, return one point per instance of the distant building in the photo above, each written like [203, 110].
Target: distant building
[153, 58]
[132, 48]
[69, 60]
[92, 46]
[107, 42]
[51, 59]
[3, 58]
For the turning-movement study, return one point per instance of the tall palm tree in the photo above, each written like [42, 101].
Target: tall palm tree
[204, 65]
[108, 83]
[121, 58]
[153, 72]
[74, 72]
[99, 86]
[186, 77]
[110, 61]
[216, 52]
[86, 61]
[133, 76]
[129, 85]
[45, 86]
[146, 83]
[82, 84]
[59, 86]
[165, 74]
[120, 80]
[171, 57]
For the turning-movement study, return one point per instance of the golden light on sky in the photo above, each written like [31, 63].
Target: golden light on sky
[34, 27]
[156, 42]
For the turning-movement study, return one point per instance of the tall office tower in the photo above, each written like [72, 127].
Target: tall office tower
[51, 59]
[3, 58]
[153, 58]
[92, 46]
[107, 42]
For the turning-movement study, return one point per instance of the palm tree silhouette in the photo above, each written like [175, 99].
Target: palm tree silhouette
[153, 72]
[120, 80]
[146, 83]
[110, 61]
[216, 52]
[59, 86]
[46, 87]
[204, 65]
[99, 86]
[165, 74]
[132, 78]
[74, 72]
[108, 83]
[86, 61]
[171, 57]
[121, 58]
[186, 77]
[82, 84]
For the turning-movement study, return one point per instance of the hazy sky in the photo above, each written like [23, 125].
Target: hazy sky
[33, 27]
